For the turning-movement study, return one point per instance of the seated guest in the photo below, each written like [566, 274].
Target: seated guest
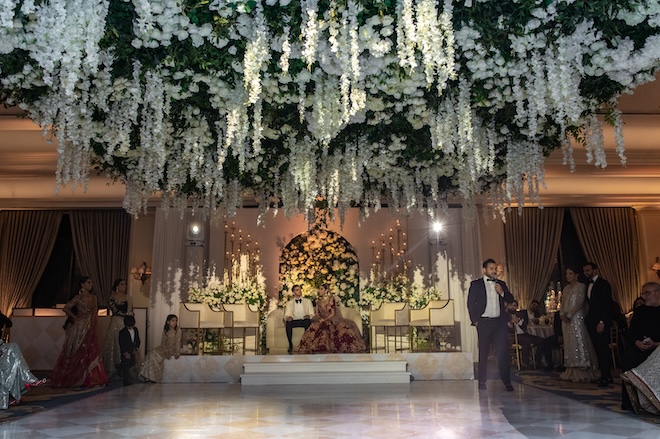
[643, 334]
[636, 304]
[170, 346]
[15, 375]
[534, 312]
[643, 385]
[4, 321]
[298, 313]
[129, 343]
[329, 333]
[519, 322]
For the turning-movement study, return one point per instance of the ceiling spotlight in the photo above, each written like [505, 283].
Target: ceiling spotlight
[437, 227]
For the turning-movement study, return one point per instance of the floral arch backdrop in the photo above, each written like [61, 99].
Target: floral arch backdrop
[411, 102]
[316, 257]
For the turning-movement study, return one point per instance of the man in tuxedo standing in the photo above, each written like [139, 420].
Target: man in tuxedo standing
[129, 343]
[297, 313]
[486, 305]
[599, 319]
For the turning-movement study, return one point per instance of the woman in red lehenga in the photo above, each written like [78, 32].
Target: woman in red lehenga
[79, 363]
[330, 333]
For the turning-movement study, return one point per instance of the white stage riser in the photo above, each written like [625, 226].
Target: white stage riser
[326, 378]
[229, 368]
[278, 367]
[329, 372]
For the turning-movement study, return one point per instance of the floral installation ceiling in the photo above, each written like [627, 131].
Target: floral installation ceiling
[413, 102]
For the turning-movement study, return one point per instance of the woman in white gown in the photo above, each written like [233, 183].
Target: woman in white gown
[579, 355]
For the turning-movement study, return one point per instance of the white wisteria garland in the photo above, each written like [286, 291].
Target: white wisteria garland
[354, 102]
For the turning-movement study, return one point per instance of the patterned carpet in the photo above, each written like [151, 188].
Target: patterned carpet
[608, 398]
[46, 397]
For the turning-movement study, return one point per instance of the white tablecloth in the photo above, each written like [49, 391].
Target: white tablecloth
[543, 331]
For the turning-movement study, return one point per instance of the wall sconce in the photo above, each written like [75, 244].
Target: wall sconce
[656, 267]
[142, 273]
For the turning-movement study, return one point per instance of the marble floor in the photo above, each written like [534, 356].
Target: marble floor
[423, 409]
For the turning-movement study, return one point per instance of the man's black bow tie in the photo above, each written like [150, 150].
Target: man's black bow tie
[298, 300]
[491, 280]
[591, 281]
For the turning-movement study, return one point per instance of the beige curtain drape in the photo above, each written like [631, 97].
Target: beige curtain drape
[100, 240]
[609, 238]
[531, 242]
[26, 242]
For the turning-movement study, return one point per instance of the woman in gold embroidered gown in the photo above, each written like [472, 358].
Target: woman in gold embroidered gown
[579, 355]
[119, 307]
[170, 346]
[643, 385]
[79, 363]
[330, 333]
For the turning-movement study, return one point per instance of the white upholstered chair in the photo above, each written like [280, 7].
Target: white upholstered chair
[390, 320]
[201, 317]
[436, 314]
[242, 321]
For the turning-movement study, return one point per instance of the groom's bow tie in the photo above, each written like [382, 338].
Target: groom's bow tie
[491, 280]
[298, 300]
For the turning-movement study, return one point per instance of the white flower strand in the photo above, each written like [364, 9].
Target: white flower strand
[358, 72]
[310, 33]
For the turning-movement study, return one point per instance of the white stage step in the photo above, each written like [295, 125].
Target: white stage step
[314, 372]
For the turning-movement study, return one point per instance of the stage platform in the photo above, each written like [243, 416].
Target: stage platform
[229, 368]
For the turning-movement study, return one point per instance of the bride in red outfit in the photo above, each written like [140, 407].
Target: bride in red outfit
[79, 363]
[330, 332]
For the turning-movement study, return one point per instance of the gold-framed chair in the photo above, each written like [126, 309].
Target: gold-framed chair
[436, 314]
[201, 317]
[515, 349]
[614, 345]
[246, 319]
[391, 319]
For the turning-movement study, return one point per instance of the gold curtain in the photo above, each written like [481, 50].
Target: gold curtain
[531, 242]
[27, 238]
[609, 238]
[100, 240]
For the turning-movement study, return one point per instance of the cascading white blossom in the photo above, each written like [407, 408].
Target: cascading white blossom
[310, 33]
[400, 104]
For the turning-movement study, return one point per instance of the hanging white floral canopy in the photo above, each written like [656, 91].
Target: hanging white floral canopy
[412, 102]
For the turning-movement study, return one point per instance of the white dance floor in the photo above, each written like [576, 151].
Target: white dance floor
[421, 409]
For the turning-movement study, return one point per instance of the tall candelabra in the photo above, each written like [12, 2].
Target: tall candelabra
[241, 253]
[389, 256]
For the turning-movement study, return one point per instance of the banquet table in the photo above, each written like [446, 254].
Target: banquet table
[543, 331]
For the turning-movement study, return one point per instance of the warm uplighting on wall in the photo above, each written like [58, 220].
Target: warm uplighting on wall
[141, 273]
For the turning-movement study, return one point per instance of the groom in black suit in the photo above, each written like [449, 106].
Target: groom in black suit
[486, 304]
[599, 319]
[129, 343]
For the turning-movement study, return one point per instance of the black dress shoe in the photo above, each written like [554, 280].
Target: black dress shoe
[508, 387]
[482, 386]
